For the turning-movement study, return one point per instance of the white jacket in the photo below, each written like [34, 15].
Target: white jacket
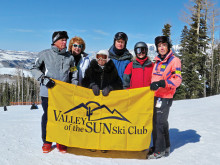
[82, 66]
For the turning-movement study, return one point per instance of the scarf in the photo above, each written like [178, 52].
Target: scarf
[117, 51]
[141, 61]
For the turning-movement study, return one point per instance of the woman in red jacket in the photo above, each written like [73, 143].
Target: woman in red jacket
[138, 73]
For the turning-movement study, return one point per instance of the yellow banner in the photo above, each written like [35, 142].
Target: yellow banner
[120, 121]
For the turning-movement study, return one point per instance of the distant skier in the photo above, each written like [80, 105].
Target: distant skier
[34, 106]
[166, 78]
[5, 108]
[53, 63]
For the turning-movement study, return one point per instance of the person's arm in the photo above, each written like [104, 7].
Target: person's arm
[86, 81]
[38, 68]
[74, 72]
[127, 76]
[174, 78]
[75, 78]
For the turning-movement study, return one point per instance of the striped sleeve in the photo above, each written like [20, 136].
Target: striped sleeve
[174, 77]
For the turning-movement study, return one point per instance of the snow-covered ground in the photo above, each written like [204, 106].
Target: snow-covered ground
[194, 133]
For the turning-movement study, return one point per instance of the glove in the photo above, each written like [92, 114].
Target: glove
[48, 82]
[157, 84]
[106, 90]
[96, 90]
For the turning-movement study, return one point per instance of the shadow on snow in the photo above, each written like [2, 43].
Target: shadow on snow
[181, 138]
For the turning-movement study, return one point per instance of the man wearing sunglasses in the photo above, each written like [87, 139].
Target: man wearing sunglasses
[58, 64]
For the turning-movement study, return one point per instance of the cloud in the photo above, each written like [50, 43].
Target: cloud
[22, 30]
[101, 32]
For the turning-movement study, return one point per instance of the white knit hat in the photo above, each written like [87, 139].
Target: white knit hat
[104, 52]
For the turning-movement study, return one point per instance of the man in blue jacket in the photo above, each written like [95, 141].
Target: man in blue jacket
[119, 54]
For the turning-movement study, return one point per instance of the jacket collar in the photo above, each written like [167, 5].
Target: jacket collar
[157, 58]
[147, 63]
[55, 49]
[83, 54]
[108, 67]
[126, 56]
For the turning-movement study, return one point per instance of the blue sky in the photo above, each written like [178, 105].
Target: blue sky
[27, 25]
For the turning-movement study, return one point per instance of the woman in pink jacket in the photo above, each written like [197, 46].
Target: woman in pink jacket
[166, 77]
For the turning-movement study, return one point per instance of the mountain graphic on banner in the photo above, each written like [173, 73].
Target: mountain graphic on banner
[111, 114]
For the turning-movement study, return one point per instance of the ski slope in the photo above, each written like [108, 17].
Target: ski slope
[194, 133]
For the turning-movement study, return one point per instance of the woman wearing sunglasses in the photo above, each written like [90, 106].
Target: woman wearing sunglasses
[82, 61]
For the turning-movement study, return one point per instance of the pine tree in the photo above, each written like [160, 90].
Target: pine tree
[184, 54]
[190, 74]
[1, 94]
[166, 30]
[193, 53]
[6, 94]
[213, 14]
[203, 46]
[216, 70]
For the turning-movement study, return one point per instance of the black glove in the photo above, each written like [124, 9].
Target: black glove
[157, 84]
[106, 90]
[48, 82]
[96, 90]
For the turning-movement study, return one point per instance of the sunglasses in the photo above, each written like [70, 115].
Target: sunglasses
[79, 46]
[100, 56]
[141, 50]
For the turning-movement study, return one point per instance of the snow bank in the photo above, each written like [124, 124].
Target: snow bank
[194, 131]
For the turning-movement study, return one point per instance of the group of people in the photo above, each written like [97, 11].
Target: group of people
[113, 69]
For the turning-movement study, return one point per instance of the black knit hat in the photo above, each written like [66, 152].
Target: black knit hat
[59, 35]
[163, 39]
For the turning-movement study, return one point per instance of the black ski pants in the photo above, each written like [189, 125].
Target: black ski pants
[44, 118]
[161, 139]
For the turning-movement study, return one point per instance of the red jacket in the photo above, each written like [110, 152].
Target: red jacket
[169, 70]
[137, 75]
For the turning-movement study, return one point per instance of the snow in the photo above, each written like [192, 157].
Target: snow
[13, 71]
[16, 59]
[15, 55]
[194, 134]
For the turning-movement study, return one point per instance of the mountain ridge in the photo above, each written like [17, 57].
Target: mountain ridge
[11, 60]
